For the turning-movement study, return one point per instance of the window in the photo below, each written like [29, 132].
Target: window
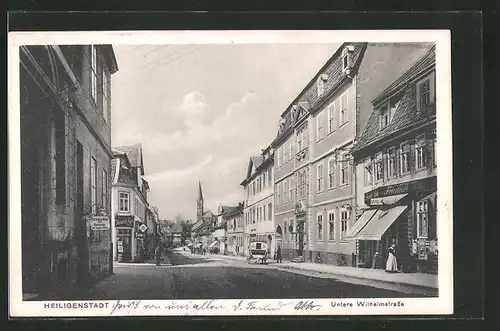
[368, 171]
[331, 225]
[60, 155]
[290, 145]
[301, 143]
[319, 127]
[344, 222]
[105, 95]
[302, 182]
[285, 230]
[124, 202]
[285, 191]
[319, 219]
[420, 156]
[278, 199]
[320, 86]
[264, 179]
[422, 219]
[331, 117]
[391, 162]
[319, 177]
[270, 211]
[269, 176]
[290, 189]
[435, 149]
[93, 184]
[264, 214]
[385, 115]
[285, 153]
[379, 169]
[254, 216]
[344, 170]
[345, 59]
[343, 108]
[424, 93]
[331, 173]
[94, 72]
[104, 190]
[404, 159]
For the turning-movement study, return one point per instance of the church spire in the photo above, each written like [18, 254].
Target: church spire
[200, 194]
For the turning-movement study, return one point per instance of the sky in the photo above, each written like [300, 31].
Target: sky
[200, 112]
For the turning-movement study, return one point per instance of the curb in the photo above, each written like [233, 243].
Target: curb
[340, 275]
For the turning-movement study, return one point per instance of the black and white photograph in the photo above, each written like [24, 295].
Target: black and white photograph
[230, 173]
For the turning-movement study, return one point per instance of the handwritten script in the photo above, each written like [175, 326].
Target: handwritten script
[181, 307]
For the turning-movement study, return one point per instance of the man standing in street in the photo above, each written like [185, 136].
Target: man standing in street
[278, 255]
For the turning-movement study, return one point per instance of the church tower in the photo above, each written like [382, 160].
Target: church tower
[199, 204]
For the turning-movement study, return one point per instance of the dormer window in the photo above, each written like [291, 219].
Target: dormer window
[321, 84]
[425, 92]
[346, 58]
[385, 115]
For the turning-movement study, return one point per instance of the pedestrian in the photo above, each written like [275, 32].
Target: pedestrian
[278, 255]
[158, 253]
[391, 265]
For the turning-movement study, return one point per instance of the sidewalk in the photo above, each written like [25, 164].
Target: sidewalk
[413, 279]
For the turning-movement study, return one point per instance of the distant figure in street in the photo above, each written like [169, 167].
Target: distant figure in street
[158, 253]
[279, 259]
[391, 265]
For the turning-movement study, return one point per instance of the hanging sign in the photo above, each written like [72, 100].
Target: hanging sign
[143, 227]
[99, 223]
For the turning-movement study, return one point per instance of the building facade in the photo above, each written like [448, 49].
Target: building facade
[129, 205]
[315, 182]
[259, 202]
[65, 163]
[396, 166]
[235, 231]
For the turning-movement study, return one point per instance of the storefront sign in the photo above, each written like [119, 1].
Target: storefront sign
[125, 221]
[376, 202]
[119, 246]
[98, 223]
[143, 227]
[423, 186]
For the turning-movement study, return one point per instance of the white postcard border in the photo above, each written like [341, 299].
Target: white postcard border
[420, 306]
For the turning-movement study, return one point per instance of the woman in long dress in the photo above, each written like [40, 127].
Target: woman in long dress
[391, 265]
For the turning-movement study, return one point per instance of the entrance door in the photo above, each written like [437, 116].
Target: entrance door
[124, 245]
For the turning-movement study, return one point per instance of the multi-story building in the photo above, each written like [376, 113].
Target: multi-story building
[258, 204]
[65, 162]
[151, 235]
[201, 232]
[314, 173]
[396, 170]
[129, 204]
[235, 230]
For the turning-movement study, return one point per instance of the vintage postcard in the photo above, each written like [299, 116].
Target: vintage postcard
[176, 173]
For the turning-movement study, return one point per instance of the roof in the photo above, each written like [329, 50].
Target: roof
[231, 211]
[200, 193]
[257, 160]
[208, 213]
[134, 154]
[124, 177]
[110, 58]
[405, 116]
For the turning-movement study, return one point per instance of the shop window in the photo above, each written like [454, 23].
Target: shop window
[291, 230]
[420, 155]
[404, 159]
[319, 219]
[379, 169]
[331, 225]
[391, 160]
[422, 219]
[124, 202]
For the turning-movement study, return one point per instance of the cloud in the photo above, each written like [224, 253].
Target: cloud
[179, 174]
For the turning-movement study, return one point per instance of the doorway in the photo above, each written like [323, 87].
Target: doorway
[124, 245]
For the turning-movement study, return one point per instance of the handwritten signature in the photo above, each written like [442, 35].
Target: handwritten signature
[129, 306]
[256, 306]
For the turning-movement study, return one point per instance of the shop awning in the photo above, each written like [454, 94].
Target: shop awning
[379, 223]
[360, 223]
[213, 244]
[387, 200]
